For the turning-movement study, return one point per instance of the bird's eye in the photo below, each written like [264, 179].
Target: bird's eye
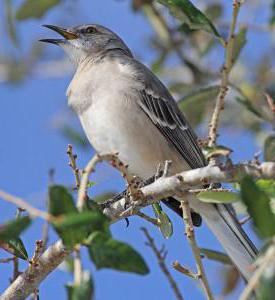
[90, 30]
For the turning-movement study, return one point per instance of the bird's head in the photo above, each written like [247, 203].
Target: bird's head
[87, 41]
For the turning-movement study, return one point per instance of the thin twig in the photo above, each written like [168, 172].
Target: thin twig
[270, 102]
[46, 225]
[36, 255]
[45, 235]
[189, 231]
[254, 280]
[229, 47]
[133, 182]
[37, 252]
[6, 260]
[177, 266]
[72, 164]
[78, 271]
[35, 212]
[82, 192]
[250, 26]
[271, 106]
[161, 255]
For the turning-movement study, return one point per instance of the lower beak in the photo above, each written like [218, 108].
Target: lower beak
[66, 33]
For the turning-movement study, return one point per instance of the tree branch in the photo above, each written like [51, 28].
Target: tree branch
[162, 188]
[27, 282]
[229, 46]
[189, 232]
[165, 187]
[34, 212]
[72, 163]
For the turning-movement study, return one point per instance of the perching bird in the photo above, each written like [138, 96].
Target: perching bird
[125, 109]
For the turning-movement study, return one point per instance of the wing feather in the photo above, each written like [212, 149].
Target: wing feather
[165, 114]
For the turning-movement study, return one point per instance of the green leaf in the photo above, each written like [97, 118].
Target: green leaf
[217, 256]
[269, 148]
[19, 248]
[248, 105]
[76, 220]
[240, 41]
[83, 291]
[72, 226]
[35, 9]
[166, 226]
[215, 151]
[16, 247]
[108, 253]
[60, 201]
[218, 196]
[258, 206]
[268, 186]
[194, 104]
[12, 229]
[186, 12]
[91, 220]
[9, 236]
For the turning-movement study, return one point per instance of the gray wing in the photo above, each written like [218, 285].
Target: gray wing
[162, 109]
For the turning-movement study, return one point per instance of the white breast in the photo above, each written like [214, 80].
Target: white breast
[114, 122]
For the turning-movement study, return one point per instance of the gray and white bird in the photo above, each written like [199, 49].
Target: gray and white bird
[124, 108]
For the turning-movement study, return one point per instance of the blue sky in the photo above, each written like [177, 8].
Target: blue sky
[31, 145]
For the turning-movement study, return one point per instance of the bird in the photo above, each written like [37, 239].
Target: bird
[124, 108]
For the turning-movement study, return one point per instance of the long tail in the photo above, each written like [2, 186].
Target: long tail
[222, 221]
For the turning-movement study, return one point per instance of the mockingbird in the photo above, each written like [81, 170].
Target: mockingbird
[125, 109]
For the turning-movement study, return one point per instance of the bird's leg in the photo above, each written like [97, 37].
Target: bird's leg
[167, 165]
[159, 172]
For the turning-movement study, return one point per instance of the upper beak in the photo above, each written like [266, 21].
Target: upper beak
[66, 33]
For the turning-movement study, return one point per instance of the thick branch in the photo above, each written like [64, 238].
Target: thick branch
[26, 283]
[169, 186]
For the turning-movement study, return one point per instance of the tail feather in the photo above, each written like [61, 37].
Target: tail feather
[225, 226]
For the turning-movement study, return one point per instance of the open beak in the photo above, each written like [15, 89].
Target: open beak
[66, 33]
